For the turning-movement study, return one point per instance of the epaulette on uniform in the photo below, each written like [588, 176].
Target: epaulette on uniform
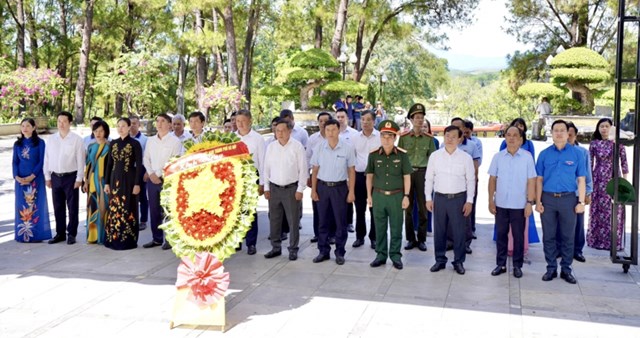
[375, 150]
[400, 149]
[406, 132]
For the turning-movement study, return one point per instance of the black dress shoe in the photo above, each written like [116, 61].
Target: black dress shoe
[549, 276]
[142, 226]
[314, 239]
[321, 258]
[473, 235]
[437, 267]
[397, 265]
[350, 228]
[498, 270]
[71, 240]
[377, 262]
[373, 245]
[580, 258]
[57, 239]
[151, 244]
[239, 248]
[459, 268]
[166, 246]
[293, 255]
[251, 250]
[273, 253]
[422, 246]
[410, 245]
[517, 272]
[568, 277]
[358, 243]
[332, 240]
[468, 250]
[339, 260]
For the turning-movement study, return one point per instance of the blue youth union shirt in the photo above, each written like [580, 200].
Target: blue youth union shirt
[561, 168]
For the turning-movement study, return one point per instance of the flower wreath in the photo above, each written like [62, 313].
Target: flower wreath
[209, 195]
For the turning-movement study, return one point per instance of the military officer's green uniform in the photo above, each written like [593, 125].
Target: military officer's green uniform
[388, 171]
[419, 147]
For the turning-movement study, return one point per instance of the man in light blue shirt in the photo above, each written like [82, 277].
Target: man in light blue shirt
[333, 163]
[579, 239]
[511, 195]
[143, 201]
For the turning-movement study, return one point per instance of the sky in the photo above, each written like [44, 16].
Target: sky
[483, 44]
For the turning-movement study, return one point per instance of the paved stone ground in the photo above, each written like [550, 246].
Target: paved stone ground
[87, 290]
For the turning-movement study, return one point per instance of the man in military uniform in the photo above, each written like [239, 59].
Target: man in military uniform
[419, 146]
[388, 183]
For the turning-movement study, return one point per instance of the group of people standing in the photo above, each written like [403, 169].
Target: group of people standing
[355, 109]
[380, 169]
[122, 178]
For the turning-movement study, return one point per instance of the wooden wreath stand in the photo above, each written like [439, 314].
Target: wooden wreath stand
[189, 313]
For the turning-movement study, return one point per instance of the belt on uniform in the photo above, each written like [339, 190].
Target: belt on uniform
[559, 194]
[64, 174]
[419, 168]
[451, 196]
[333, 184]
[388, 192]
[290, 185]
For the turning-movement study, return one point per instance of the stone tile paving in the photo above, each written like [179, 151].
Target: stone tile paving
[87, 290]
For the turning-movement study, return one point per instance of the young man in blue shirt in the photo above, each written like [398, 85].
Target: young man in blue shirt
[561, 172]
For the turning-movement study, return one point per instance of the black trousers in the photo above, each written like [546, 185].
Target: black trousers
[515, 217]
[331, 223]
[65, 197]
[361, 209]
[332, 201]
[448, 216]
[417, 189]
[559, 217]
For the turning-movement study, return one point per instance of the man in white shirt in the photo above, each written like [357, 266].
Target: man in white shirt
[451, 174]
[285, 177]
[196, 123]
[64, 160]
[348, 135]
[544, 111]
[255, 143]
[298, 133]
[160, 148]
[312, 144]
[367, 141]
[137, 135]
[178, 122]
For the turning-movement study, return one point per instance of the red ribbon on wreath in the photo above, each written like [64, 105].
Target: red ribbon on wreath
[205, 277]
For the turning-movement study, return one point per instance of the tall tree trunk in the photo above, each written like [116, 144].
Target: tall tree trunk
[62, 61]
[247, 62]
[84, 60]
[127, 46]
[218, 54]
[357, 75]
[318, 35]
[232, 51]
[338, 33]
[20, 29]
[129, 36]
[33, 37]
[182, 74]
[201, 64]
